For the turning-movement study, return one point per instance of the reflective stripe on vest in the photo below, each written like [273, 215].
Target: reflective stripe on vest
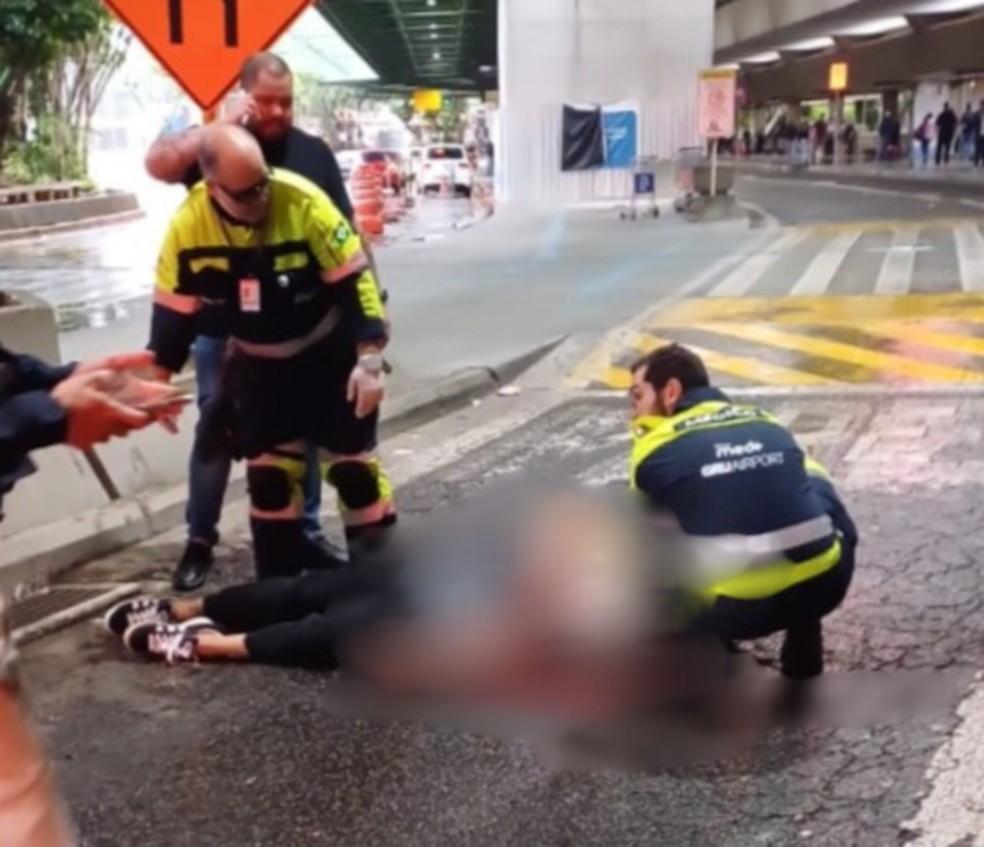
[653, 433]
[770, 580]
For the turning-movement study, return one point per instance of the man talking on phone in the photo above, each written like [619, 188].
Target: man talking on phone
[268, 113]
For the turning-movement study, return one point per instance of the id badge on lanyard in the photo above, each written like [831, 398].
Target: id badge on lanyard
[249, 295]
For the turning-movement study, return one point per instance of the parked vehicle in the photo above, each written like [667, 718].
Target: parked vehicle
[446, 165]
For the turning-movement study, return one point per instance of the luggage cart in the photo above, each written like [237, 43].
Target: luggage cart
[643, 186]
[689, 201]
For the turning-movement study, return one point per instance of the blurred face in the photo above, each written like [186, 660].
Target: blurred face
[244, 196]
[646, 401]
[273, 106]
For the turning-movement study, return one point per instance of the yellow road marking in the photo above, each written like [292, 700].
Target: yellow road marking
[750, 369]
[922, 371]
[917, 333]
[888, 225]
[618, 378]
[811, 310]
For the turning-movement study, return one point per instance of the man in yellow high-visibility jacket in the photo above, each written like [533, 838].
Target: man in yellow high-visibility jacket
[735, 480]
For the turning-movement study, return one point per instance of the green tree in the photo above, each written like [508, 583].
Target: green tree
[33, 33]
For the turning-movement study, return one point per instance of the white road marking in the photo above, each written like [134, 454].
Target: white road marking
[824, 267]
[953, 811]
[899, 265]
[970, 254]
[749, 272]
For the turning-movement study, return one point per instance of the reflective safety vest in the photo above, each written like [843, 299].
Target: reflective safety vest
[716, 462]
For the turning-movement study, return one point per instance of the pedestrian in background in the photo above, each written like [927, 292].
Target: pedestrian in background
[946, 130]
[968, 133]
[887, 135]
[924, 135]
[979, 125]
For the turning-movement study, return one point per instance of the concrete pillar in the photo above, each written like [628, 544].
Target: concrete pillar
[551, 52]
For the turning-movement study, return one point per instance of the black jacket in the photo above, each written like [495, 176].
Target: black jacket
[724, 469]
[29, 418]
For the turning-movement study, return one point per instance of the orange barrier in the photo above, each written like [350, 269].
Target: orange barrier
[367, 197]
[370, 225]
[368, 208]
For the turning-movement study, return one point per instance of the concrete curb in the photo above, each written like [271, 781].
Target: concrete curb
[29, 559]
[12, 236]
[845, 392]
[90, 608]
[901, 181]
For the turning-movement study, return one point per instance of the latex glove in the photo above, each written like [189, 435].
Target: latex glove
[365, 389]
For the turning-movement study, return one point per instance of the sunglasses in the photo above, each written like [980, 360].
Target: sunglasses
[248, 195]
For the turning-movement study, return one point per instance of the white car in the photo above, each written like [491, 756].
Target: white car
[446, 166]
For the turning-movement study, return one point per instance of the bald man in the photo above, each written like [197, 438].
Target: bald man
[267, 112]
[289, 274]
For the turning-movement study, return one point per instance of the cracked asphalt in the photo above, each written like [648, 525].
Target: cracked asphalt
[259, 756]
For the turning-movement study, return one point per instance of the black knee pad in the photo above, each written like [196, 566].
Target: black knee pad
[355, 483]
[269, 488]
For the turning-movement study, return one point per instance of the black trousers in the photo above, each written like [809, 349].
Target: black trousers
[299, 622]
[944, 144]
[799, 607]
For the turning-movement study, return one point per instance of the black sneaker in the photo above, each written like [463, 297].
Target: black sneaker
[138, 610]
[173, 643]
[802, 651]
[194, 567]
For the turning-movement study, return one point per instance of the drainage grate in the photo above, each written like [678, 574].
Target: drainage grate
[61, 606]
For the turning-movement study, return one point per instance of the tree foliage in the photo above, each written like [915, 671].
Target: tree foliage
[43, 46]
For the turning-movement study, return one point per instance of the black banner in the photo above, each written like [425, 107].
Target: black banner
[584, 139]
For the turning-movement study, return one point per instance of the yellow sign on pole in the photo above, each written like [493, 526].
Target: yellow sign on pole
[428, 100]
[839, 76]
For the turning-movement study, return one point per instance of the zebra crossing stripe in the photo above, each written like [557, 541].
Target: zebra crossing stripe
[970, 255]
[749, 272]
[900, 263]
[823, 269]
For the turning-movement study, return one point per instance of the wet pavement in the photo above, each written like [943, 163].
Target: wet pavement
[99, 281]
[258, 756]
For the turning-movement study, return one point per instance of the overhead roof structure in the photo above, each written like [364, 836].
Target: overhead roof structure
[448, 44]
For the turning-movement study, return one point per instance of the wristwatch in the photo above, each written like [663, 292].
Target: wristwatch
[371, 363]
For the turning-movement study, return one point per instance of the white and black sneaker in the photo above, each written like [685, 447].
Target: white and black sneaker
[138, 610]
[173, 643]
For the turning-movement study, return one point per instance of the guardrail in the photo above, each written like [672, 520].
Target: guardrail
[42, 193]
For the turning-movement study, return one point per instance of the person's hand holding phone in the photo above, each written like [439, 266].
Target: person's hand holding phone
[93, 414]
[161, 401]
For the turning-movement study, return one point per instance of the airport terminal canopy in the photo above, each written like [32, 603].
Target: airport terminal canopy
[447, 44]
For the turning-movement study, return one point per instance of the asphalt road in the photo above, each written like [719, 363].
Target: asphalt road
[258, 756]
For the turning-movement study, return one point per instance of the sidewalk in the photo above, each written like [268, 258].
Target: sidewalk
[955, 175]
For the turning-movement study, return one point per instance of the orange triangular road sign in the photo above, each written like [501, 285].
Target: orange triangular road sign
[203, 43]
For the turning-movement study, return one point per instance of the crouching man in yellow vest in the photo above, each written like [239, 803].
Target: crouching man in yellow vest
[737, 483]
